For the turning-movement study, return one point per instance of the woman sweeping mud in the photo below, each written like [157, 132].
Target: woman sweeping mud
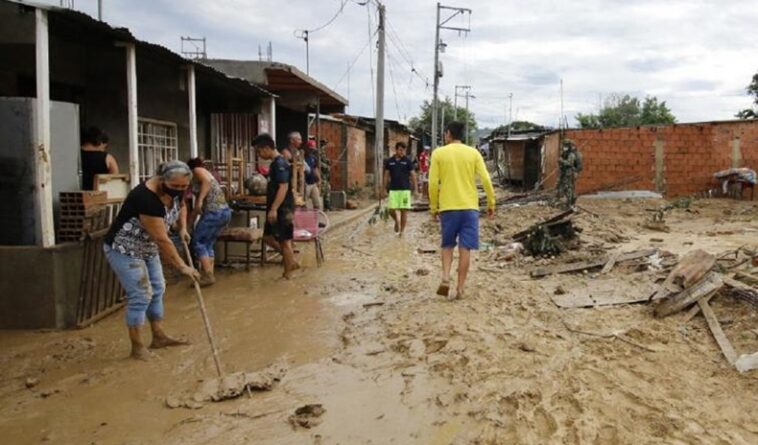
[136, 237]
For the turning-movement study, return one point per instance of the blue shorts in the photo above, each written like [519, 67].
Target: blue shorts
[460, 226]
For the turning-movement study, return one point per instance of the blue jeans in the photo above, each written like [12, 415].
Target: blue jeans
[144, 285]
[207, 230]
[460, 226]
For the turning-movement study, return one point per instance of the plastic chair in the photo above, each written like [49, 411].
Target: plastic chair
[307, 229]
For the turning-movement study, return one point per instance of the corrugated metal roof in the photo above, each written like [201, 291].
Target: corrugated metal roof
[125, 35]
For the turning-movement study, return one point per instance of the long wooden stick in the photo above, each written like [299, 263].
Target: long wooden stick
[206, 321]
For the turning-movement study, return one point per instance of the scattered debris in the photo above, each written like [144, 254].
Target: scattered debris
[603, 292]
[307, 416]
[31, 382]
[589, 265]
[231, 386]
[747, 362]
[706, 287]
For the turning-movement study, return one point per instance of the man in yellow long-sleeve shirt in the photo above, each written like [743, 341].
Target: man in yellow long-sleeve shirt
[454, 201]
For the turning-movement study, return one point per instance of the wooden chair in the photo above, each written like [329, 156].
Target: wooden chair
[244, 235]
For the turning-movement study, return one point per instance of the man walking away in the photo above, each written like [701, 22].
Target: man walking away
[280, 203]
[398, 177]
[454, 201]
[312, 177]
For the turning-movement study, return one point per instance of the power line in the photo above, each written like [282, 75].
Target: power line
[371, 57]
[339, 11]
[355, 60]
[394, 90]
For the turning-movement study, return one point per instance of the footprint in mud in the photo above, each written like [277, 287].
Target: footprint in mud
[544, 423]
[608, 435]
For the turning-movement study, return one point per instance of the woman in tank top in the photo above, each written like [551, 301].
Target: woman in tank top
[95, 159]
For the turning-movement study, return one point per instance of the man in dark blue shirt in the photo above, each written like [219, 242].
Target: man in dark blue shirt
[400, 179]
[312, 176]
[280, 203]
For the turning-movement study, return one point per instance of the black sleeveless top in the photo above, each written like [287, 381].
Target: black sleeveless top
[93, 163]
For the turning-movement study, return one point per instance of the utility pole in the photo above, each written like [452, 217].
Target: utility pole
[438, 45]
[455, 100]
[510, 113]
[303, 34]
[468, 95]
[100, 10]
[379, 131]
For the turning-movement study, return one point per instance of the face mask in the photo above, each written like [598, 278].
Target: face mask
[171, 192]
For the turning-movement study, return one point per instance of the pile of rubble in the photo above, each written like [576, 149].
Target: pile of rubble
[669, 283]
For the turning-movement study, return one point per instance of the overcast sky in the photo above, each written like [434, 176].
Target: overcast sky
[696, 55]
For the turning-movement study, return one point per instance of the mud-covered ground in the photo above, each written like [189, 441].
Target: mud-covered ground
[391, 363]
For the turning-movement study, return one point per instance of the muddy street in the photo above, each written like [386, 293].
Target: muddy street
[365, 337]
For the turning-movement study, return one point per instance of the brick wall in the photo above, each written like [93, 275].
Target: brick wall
[688, 155]
[356, 156]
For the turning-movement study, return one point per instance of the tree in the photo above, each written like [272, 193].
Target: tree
[628, 111]
[424, 120]
[521, 126]
[752, 90]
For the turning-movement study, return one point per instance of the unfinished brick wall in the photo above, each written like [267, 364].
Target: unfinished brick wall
[675, 160]
[356, 157]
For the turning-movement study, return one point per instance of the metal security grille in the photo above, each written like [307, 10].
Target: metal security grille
[157, 143]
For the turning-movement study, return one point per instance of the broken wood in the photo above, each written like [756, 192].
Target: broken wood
[524, 233]
[718, 333]
[690, 269]
[609, 265]
[588, 265]
[612, 335]
[694, 310]
[709, 285]
[747, 278]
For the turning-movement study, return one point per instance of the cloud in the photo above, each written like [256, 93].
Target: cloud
[694, 55]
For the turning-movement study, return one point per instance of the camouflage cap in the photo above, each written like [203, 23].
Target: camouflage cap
[568, 143]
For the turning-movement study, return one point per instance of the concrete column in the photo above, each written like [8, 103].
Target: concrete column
[736, 153]
[131, 94]
[192, 110]
[660, 166]
[272, 125]
[43, 175]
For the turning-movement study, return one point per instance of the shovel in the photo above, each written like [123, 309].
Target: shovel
[206, 321]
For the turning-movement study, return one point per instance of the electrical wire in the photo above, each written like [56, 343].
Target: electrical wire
[355, 60]
[371, 58]
[339, 11]
[394, 90]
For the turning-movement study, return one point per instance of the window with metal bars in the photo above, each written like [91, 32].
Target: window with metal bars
[157, 143]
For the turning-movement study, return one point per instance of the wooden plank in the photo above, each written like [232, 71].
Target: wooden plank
[587, 265]
[694, 310]
[609, 265]
[709, 285]
[731, 282]
[603, 292]
[747, 278]
[718, 333]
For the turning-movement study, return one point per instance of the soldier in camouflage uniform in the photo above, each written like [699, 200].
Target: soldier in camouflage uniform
[326, 166]
[570, 164]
